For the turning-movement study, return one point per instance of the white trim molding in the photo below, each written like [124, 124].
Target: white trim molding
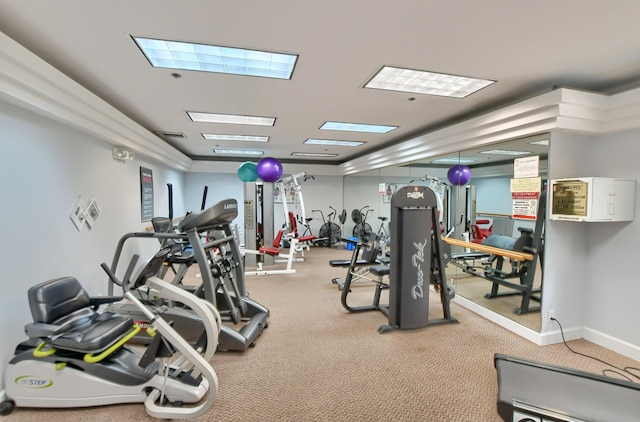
[28, 81]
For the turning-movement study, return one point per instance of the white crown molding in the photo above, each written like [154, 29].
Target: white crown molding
[559, 110]
[28, 81]
[287, 168]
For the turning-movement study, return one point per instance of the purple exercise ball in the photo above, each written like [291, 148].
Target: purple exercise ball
[269, 169]
[459, 175]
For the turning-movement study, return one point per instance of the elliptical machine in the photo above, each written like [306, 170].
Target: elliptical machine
[76, 356]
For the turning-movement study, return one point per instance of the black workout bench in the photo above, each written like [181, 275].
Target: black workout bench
[364, 255]
[380, 271]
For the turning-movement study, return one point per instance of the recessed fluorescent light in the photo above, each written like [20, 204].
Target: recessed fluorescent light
[333, 142]
[313, 154]
[238, 151]
[244, 138]
[453, 160]
[357, 127]
[504, 152]
[218, 59]
[231, 118]
[422, 82]
[541, 142]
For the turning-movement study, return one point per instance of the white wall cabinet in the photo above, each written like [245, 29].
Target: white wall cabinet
[592, 199]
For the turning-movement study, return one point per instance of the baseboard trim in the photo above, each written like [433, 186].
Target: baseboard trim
[555, 336]
[619, 346]
[502, 321]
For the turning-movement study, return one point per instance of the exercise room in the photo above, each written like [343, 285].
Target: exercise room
[331, 212]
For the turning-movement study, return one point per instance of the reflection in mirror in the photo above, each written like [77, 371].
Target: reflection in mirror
[495, 216]
[469, 212]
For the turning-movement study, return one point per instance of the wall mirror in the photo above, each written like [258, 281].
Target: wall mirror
[485, 201]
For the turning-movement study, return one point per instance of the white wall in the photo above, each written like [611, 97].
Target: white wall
[591, 282]
[493, 195]
[567, 278]
[317, 193]
[44, 167]
[611, 305]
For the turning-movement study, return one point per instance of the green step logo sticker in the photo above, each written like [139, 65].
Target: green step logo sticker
[30, 381]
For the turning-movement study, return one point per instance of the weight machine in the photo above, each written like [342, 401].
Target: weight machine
[418, 260]
[290, 187]
[442, 192]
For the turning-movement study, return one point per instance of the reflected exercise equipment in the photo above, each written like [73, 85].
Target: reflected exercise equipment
[526, 253]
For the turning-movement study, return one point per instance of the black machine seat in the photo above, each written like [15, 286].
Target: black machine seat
[64, 317]
[519, 245]
[369, 254]
[380, 270]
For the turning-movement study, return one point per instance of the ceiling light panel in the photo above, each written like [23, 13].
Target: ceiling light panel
[357, 127]
[217, 59]
[333, 142]
[231, 119]
[428, 83]
[238, 151]
[312, 154]
[505, 152]
[243, 138]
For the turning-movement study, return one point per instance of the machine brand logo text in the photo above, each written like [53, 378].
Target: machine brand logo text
[415, 195]
[416, 261]
[30, 381]
[228, 206]
[142, 324]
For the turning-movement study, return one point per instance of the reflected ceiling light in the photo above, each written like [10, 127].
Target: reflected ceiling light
[333, 142]
[541, 142]
[428, 83]
[236, 119]
[454, 160]
[504, 152]
[357, 127]
[217, 59]
[312, 154]
[238, 151]
[244, 138]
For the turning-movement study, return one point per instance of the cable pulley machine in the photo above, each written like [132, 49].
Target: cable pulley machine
[418, 259]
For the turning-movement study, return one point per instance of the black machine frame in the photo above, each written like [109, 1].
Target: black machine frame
[418, 260]
[221, 268]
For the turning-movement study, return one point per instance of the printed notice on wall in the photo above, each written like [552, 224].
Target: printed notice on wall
[526, 167]
[526, 184]
[146, 194]
[525, 205]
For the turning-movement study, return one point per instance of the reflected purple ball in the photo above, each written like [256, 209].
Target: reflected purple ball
[459, 175]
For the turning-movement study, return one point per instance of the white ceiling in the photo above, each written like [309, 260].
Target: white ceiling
[527, 47]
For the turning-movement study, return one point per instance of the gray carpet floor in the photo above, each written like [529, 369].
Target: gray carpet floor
[317, 362]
